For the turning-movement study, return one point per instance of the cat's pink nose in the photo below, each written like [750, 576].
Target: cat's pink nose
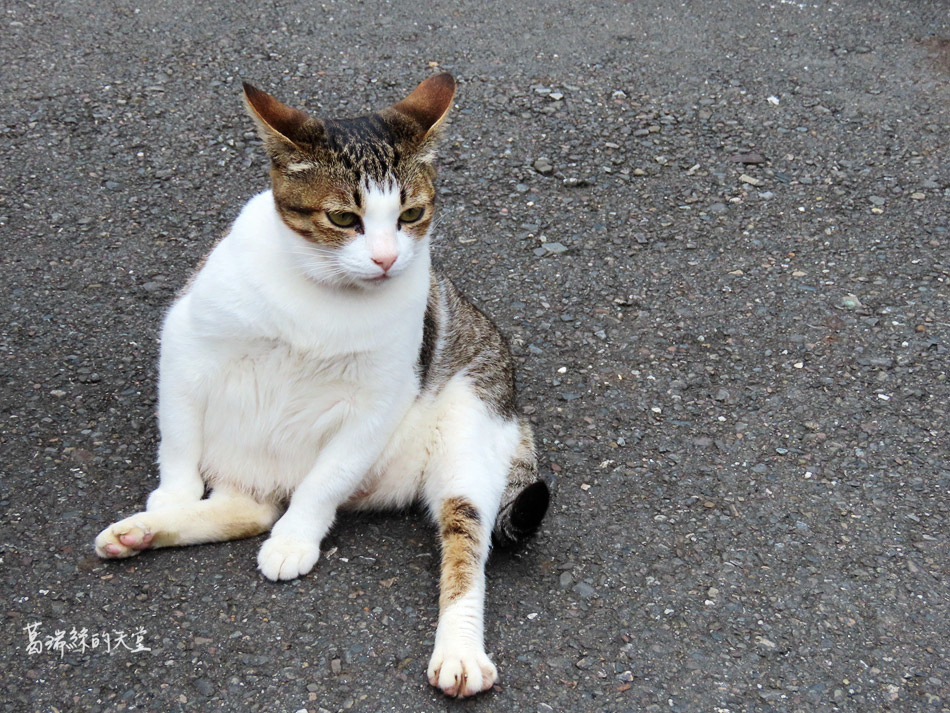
[385, 260]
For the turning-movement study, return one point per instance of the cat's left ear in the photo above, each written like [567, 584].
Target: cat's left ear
[429, 103]
[284, 130]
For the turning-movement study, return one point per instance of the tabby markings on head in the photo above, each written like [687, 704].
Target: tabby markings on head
[352, 167]
[321, 166]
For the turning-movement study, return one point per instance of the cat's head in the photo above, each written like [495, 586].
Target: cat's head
[359, 192]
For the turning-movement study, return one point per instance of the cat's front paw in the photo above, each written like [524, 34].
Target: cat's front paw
[124, 538]
[162, 498]
[461, 671]
[284, 557]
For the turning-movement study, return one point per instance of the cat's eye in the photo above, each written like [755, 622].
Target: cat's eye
[411, 215]
[343, 219]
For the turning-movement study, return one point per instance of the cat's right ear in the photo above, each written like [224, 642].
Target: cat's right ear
[284, 130]
[429, 103]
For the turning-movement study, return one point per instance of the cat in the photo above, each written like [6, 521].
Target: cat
[315, 360]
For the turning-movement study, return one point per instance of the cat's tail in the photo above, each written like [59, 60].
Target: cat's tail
[526, 497]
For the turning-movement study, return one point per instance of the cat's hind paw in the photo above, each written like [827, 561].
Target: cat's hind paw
[287, 557]
[461, 672]
[124, 539]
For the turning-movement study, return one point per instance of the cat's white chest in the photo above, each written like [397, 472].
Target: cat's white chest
[269, 412]
[283, 363]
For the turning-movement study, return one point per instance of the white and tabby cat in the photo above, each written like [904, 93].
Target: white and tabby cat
[316, 361]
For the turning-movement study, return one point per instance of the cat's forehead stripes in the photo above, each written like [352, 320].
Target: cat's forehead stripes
[375, 148]
[365, 146]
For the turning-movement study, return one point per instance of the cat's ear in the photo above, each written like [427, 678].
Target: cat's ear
[283, 129]
[429, 103]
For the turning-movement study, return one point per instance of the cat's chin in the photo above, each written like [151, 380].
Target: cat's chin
[377, 281]
[352, 283]
[372, 284]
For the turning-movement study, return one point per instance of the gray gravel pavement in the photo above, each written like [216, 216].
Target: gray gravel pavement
[717, 235]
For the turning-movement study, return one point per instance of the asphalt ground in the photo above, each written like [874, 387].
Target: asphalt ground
[717, 236]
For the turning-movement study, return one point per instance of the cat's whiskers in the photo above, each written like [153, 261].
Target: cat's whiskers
[315, 269]
[313, 248]
[434, 223]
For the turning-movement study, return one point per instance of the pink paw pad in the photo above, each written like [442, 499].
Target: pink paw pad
[136, 539]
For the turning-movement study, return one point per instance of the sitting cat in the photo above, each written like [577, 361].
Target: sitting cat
[315, 358]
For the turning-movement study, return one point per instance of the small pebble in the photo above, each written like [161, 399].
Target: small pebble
[543, 166]
[748, 158]
[851, 302]
[584, 590]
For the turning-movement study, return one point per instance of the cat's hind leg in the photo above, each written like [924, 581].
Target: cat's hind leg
[471, 453]
[224, 515]
[459, 664]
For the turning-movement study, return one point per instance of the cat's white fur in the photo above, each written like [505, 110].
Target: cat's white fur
[287, 371]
